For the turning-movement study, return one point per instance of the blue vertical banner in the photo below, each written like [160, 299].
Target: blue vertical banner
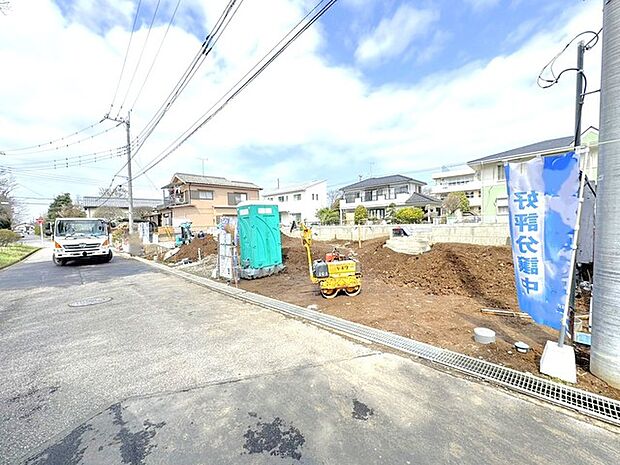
[543, 199]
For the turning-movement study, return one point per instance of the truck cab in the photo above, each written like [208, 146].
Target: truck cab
[81, 238]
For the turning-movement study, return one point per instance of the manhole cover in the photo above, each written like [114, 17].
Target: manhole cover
[90, 301]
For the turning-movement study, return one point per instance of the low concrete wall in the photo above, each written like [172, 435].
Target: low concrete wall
[481, 234]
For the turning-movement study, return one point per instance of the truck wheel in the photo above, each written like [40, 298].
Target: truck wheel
[59, 261]
[107, 258]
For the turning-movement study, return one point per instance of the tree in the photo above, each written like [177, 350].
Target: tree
[456, 201]
[409, 215]
[5, 6]
[63, 207]
[328, 216]
[110, 213]
[7, 203]
[333, 198]
[119, 192]
[8, 237]
[361, 215]
[141, 212]
[390, 213]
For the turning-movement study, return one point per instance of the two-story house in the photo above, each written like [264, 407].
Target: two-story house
[490, 170]
[203, 200]
[377, 194]
[464, 179]
[299, 203]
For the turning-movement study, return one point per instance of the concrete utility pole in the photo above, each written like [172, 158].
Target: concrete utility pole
[605, 350]
[129, 178]
[581, 49]
[127, 124]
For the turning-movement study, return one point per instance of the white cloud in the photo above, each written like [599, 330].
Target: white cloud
[304, 118]
[394, 35]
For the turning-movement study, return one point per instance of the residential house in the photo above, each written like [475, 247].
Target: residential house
[464, 179]
[377, 194]
[490, 170]
[91, 203]
[203, 200]
[299, 203]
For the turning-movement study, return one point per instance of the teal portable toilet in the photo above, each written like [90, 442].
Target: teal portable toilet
[258, 223]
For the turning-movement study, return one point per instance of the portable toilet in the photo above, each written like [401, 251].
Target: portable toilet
[258, 223]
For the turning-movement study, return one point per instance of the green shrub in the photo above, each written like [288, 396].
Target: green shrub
[409, 215]
[8, 237]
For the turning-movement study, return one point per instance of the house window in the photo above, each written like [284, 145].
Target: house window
[378, 213]
[391, 193]
[469, 194]
[402, 190]
[298, 196]
[502, 209]
[281, 198]
[501, 173]
[205, 195]
[235, 198]
[350, 197]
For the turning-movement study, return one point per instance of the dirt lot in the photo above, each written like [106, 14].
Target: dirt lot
[435, 298]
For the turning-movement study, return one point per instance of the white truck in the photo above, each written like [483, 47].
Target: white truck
[81, 238]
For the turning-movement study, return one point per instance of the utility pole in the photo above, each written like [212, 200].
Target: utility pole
[581, 49]
[605, 349]
[127, 124]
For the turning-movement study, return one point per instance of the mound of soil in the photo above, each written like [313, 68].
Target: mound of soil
[207, 246]
[482, 272]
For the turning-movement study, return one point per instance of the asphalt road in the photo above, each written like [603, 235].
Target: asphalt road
[170, 372]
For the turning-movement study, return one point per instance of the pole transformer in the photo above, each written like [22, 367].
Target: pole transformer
[605, 349]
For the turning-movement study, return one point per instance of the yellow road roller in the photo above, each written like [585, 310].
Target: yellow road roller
[335, 272]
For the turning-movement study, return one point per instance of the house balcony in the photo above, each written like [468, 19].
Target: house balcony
[380, 202]
[175, 201]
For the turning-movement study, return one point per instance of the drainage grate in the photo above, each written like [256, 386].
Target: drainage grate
[90, 301]
[587, 403]
[590, 404]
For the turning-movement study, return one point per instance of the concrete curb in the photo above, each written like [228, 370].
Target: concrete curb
[316, 318]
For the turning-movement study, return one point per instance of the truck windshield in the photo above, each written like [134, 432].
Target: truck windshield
[93, 228]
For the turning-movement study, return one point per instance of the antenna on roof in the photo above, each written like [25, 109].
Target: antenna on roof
[359, 176]
[203, 164]
[278, 180]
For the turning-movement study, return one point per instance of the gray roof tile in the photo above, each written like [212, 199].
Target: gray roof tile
[213, 181]
[538, 147]
[422, 200]
[382, 181]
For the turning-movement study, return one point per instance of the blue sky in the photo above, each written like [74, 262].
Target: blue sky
[377, 87]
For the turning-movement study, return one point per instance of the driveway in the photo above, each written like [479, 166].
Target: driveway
[164, 371]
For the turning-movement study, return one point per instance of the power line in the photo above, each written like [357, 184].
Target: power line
[64, 146]
[205, 49]
[275, 52]
[148, 34]
[78, 160]
[120, 77]
[156, 54]
[51, 142]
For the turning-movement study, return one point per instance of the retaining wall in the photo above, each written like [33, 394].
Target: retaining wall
[481, 234]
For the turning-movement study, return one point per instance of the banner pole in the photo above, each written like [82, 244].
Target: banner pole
[571, 273]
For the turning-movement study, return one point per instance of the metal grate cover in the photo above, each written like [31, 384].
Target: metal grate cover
[594, 405]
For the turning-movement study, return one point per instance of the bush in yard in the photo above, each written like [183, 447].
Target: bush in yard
[361, 215]
[409, 215]
[328, 216]
[8, 237]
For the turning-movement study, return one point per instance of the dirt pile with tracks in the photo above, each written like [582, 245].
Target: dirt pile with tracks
[207, 246]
